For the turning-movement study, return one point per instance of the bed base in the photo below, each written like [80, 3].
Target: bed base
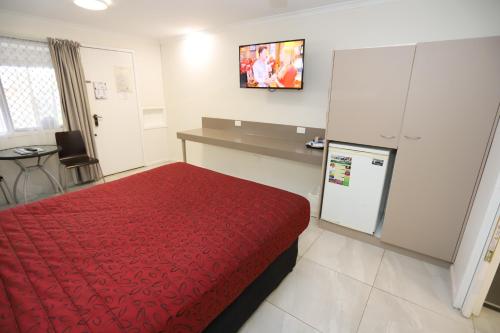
[238, 312]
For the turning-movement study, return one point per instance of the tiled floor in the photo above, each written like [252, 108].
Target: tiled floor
[344, 285]
[488, 321]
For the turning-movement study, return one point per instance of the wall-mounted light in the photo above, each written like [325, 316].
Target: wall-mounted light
[93, 4]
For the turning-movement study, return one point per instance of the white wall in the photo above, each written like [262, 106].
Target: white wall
[206, 83]
[149, 79]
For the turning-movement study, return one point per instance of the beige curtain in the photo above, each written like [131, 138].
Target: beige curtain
[73, 93]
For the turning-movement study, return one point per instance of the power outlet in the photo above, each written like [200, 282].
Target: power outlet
[301, 130]
[237, 123]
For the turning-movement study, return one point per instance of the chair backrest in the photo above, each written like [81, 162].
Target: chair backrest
[71, 143]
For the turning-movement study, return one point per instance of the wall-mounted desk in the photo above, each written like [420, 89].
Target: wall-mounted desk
[275, 140]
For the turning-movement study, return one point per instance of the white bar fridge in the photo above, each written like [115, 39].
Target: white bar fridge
[356, 185]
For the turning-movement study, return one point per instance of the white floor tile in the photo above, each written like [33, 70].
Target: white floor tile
[309, 236]
[322, 298]
[419, 282]
[269, 319]
[389, 314]
[346, 255]
[488, 321]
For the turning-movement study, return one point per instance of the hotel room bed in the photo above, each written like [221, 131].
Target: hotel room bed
[174, 249]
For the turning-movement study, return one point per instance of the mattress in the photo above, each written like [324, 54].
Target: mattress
[165, 250]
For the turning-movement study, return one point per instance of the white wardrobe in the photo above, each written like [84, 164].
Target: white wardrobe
[437, 105]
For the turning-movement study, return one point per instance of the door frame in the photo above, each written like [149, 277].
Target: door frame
[471, 275]
[485, 271]
[139, 109]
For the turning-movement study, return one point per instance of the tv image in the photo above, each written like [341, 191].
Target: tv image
[276, 65]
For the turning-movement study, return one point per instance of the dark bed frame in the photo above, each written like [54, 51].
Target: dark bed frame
[237, 313]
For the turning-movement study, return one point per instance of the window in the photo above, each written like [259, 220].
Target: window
[29, 98]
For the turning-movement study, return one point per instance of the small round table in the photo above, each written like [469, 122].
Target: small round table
[41, 156]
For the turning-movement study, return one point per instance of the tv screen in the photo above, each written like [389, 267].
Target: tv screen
[278, 65]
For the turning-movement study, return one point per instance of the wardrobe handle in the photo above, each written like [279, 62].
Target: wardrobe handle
[412, 137]
[389, 137]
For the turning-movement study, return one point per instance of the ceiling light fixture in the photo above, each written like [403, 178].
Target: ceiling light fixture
[93, 4]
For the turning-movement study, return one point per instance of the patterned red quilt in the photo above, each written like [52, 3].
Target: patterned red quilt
[162, 251]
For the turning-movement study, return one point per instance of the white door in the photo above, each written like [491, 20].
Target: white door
[113, 101]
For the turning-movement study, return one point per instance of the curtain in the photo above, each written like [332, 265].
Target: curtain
[73, 92]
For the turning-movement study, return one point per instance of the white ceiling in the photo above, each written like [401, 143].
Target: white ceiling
[162, 18]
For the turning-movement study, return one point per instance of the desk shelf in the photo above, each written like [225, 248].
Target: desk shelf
[274, 140]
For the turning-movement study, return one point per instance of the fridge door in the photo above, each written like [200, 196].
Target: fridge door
[354, 184]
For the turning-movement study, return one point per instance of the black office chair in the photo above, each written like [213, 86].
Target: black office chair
[6, 192]
[73, 153]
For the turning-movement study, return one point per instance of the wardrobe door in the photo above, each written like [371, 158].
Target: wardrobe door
[450, 114]
[368, 95]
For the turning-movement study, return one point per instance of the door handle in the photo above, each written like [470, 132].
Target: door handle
[415, 138]
[388, 137]
[96, 120]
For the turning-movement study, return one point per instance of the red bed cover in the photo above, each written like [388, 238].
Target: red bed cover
[166, 250]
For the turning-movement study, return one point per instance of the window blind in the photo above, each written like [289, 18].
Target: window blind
[29, 97]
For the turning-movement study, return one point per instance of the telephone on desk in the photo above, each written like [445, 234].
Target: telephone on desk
[317, 143]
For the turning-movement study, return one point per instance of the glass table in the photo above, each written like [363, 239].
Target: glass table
[41, 156]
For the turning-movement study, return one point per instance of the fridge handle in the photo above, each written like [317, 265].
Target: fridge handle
[412, 137]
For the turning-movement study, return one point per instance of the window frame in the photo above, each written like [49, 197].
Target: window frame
[5, 112]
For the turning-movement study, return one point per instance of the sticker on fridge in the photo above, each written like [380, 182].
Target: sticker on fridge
[340, 170]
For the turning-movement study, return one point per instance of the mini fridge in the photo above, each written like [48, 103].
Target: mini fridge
[357, 179]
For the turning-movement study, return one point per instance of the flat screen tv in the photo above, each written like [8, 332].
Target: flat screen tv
[276, 65]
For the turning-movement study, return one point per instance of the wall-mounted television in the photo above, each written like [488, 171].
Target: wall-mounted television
[276, 65]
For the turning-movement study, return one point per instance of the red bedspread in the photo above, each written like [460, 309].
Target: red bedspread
[164, 250]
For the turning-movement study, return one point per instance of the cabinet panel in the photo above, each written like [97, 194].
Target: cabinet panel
[368, 94]
[452, 104]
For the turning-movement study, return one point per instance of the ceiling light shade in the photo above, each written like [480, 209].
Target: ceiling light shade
[92, 4]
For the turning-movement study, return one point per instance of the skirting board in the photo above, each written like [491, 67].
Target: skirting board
[158, 162]
[370, 239]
